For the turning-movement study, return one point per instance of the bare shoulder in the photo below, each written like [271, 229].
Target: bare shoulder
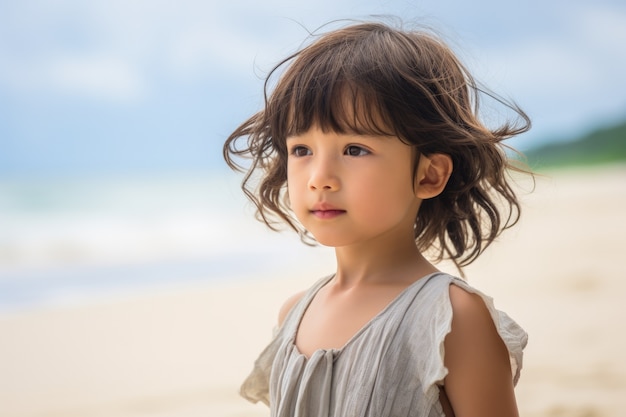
[288, 305]
[479, 380]
[467, 305]
[471, 321]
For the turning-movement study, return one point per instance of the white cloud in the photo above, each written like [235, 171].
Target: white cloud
[100, 77]
[199, 50]
[88, 76]
[605, 27]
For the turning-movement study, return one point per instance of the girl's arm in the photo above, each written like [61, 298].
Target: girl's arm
[479, 381]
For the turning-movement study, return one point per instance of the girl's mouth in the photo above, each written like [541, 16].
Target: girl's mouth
[327, 214]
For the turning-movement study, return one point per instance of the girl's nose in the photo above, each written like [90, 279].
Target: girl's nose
[324, 176]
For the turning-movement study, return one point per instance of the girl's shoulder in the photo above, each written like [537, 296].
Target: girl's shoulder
[288, 306]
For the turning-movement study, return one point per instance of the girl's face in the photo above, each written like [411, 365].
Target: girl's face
[349, 189]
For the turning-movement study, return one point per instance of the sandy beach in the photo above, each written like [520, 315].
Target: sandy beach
[184, 352]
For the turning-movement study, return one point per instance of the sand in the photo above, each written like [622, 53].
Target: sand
[182, 352]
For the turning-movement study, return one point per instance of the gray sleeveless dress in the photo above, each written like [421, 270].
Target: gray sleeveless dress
[393, 366]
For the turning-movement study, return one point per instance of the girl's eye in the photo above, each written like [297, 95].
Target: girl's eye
[354, 150]
[300, 151]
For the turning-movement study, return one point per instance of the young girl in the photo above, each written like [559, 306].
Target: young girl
[370, 143]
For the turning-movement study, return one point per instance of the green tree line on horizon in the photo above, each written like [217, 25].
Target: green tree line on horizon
[600, 146]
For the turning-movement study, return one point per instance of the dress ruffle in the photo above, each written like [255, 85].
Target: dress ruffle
[513, 336]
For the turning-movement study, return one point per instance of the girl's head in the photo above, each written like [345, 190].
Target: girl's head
[373, 79]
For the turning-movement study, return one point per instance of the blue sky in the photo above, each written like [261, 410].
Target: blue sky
[123, 86]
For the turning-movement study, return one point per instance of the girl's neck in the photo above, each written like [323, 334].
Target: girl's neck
[395, 263]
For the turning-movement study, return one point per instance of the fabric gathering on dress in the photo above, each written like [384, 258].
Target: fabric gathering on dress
[393, 366]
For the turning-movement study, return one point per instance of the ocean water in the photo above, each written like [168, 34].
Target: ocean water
[72, 240]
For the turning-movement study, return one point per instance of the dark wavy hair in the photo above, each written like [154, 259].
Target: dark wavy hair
[371, 78]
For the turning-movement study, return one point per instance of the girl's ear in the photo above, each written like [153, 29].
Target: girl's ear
[433, 172]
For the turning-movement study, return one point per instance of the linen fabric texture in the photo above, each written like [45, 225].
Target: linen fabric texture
[393, 366]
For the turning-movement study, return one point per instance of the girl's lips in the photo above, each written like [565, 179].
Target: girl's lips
[327, 214]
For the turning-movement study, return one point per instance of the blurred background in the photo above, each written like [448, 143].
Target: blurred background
[112, 118]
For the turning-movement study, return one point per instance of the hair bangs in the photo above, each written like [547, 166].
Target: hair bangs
[341, 107]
